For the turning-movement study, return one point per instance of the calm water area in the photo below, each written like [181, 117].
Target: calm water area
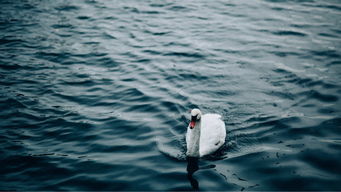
[94, 94]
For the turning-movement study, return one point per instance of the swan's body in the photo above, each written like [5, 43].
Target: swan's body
[207, 135]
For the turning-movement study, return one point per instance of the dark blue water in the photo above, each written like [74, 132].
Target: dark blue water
[94, 95]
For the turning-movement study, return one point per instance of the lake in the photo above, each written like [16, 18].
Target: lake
[95, 94]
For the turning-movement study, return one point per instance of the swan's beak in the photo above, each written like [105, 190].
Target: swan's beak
[191, 124]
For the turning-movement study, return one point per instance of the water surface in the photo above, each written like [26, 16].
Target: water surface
[94, 95]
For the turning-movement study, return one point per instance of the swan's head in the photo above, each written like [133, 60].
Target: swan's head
[195, 116]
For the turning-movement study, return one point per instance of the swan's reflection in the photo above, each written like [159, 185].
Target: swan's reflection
[192, 166]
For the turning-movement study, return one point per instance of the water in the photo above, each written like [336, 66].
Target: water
[95, 94]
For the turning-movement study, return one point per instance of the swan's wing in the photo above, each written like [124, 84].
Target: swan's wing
[213, 133]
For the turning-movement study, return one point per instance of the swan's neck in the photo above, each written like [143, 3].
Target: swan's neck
[194, 140]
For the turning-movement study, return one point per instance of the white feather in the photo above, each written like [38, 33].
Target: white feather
[212, 135]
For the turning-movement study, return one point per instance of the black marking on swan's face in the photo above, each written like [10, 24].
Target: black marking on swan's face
[194, 118]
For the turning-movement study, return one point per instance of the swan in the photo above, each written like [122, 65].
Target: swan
[205, 134]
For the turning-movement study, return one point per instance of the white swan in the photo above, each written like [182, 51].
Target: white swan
[205, 134]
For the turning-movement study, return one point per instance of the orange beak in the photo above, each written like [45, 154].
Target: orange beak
[192, 124]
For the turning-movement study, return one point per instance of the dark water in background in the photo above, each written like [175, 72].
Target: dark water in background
[94, 94]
